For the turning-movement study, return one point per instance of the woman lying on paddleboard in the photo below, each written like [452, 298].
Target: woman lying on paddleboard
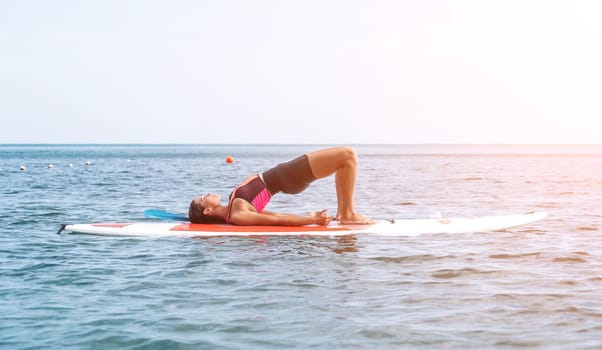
[248, 200]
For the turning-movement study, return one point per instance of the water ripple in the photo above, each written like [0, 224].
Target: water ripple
[534, 287]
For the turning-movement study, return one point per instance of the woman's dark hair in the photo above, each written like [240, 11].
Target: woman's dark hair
[196, 215]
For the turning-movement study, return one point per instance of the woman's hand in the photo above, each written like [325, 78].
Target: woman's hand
[320, 217]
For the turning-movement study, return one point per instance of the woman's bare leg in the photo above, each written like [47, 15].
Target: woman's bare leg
[342, 162]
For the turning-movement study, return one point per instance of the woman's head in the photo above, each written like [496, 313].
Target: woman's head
[202, 208]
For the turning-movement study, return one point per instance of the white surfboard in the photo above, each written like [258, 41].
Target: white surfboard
[401, 227]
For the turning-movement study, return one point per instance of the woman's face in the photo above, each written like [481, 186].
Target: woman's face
[210, 200]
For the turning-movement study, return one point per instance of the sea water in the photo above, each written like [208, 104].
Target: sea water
[536, 286]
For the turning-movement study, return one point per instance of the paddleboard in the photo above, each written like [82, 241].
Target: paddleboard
[401, 227]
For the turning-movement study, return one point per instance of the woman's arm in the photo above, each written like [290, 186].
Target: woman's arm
[244, 217]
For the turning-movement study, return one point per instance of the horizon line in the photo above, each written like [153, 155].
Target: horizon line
[289, 144]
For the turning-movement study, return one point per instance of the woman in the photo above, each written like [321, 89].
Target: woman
[248, 200]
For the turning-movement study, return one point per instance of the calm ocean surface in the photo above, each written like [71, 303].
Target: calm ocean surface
[537, 286]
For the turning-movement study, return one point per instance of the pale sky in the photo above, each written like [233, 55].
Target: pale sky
[174, 71]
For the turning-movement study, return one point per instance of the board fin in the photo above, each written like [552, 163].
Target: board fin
[61, 229]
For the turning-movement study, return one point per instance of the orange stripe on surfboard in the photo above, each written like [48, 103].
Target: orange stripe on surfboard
[117, 225]
[235, 228]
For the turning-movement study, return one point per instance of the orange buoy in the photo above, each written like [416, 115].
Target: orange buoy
[229, 160]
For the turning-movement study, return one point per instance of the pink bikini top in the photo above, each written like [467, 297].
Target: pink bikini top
[254, 191]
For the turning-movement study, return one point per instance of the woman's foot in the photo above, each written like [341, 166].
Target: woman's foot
[355, 219]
